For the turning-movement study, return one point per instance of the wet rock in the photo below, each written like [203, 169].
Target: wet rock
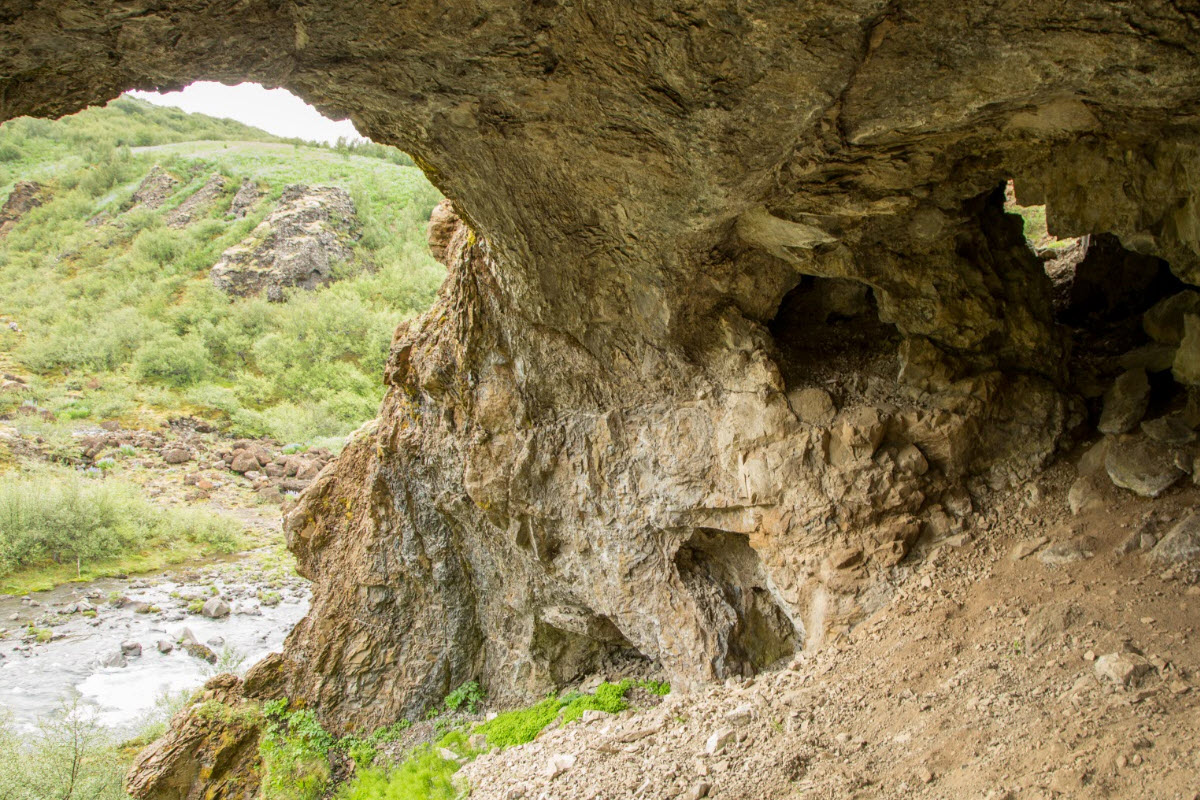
[1125, 403]
[1182, 542]
[216, 642]
[215, 608]
[200, 651]
[165, 646]
[1142, 465]
[114, 659]
[131, 649]
[1164, 321]
[297, 246]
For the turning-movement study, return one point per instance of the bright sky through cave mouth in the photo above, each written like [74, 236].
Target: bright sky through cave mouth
[276, 111]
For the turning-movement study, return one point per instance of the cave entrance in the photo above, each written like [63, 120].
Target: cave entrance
[1096, 280]
[729, 585]
[828, 333]
[571, 642]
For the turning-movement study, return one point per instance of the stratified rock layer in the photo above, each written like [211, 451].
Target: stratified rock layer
[681, 217]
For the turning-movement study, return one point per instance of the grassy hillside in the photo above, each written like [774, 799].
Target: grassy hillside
[117, 315]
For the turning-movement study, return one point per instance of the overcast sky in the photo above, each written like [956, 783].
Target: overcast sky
[276, 111]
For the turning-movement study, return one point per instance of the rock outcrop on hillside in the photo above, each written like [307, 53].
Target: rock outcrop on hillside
[198, 203]
[739, 316]
[299, 245]
[155, 189]
[24, 197]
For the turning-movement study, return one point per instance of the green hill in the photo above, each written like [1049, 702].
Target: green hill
[114, 316]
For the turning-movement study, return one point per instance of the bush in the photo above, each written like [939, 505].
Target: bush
[60, 517]
[177, 361]
[467, 696]
[70, 757]
[295, 755]
[423, 776]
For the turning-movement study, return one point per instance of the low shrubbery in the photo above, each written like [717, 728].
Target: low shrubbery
[70, 757]
[63, 517]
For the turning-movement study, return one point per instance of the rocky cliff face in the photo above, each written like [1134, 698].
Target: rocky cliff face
[735, 319]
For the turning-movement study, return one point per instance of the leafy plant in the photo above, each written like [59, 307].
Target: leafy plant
[468, 696]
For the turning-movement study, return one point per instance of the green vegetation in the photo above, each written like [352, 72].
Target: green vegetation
[424, 775]
[70, 757]
[58, 521]
[294, 754]
[467, 697]
[118, 316]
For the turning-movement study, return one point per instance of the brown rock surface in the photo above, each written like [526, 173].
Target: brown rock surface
[298, 245]
[24, 197]
[595, 413]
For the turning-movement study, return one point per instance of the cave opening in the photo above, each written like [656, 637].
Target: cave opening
[726, 579]
[828, 333]
[1121, 309]
[571, 642]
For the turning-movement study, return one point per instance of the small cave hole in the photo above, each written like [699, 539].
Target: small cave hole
[571, 643]
[828, 332]
[725, 577]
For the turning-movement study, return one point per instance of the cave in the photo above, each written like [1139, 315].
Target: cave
[598, 363]
[725, 579]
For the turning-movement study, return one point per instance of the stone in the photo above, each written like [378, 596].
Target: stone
[558, 764]
[1155, 357]
[215, 608]
[739, 716]
[1186, 368]
[176, 455]
[1087, 494]
[165, 646]
[155, 188]
[247, 195]
[244, 462]
[813, 406]
[23, 198]
[1181, 543]
[1125, 403]
[131, 649]
[298, 245]
[1164, 321]
[1172, 429]
[197, 204]
[1122, 669]
[114, 659]
[200, 651]
[1142, 465]
[1068, 551]
[718, 740]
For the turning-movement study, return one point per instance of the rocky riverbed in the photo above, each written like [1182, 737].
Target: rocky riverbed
[121, 644]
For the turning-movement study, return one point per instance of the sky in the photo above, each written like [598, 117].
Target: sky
[276, 111]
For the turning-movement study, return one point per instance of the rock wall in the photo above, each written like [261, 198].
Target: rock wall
[735, 319]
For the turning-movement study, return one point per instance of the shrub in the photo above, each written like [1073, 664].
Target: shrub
[294, 754]
[57, 516]
[173, 360]
[69, 757]
[425, 775]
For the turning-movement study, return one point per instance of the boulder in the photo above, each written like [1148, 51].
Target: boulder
[165, 646]
[812, 405]
[1186, 367]
[177, 455]
[1121, 669]
[1125, 403]
[131, 649]
[1164, 321]
[243, 462]
[1142, 465]
[299, 245]
[114, 659]
[155, 188]
[1181, 543]
[215, 608]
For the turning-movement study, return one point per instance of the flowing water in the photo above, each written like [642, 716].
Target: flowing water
[37, 678]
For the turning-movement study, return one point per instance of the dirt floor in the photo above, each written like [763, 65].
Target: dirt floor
[1046, 656]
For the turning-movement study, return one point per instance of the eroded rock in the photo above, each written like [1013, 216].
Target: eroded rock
[298, 245]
